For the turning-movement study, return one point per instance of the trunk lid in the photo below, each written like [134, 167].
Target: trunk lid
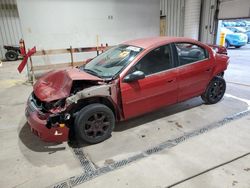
[57, 84]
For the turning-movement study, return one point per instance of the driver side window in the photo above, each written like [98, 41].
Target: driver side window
[157, 60]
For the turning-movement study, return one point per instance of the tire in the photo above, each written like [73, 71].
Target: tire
[227, 45]
[215, 90]
[237, 46]
[11, 55]
[94, 123]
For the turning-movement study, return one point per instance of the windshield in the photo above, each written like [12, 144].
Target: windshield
[112, 61]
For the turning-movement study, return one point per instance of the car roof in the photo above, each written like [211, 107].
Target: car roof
[156, 41]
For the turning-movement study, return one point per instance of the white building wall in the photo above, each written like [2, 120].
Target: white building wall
[50, 24]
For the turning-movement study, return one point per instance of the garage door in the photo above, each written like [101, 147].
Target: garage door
[230, 9]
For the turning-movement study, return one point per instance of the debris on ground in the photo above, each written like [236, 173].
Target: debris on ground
[109, 161]
[234, 183]
[178, 125]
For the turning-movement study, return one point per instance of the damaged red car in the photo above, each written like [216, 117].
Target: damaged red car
[128, 80]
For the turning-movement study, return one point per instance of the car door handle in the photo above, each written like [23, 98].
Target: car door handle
[208, 70]
[169, 81]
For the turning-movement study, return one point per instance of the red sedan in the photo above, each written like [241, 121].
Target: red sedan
[128, 80]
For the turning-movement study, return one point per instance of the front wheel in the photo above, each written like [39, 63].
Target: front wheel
[94, 123]
[215, 90]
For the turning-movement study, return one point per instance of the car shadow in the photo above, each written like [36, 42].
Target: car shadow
[161, 113]
[34, 143]
[146, 118]
[40, 153]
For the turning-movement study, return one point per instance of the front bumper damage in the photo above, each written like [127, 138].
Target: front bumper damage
[52, 124]
[49, 127]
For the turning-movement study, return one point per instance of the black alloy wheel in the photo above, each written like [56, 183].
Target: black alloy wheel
[97, 125]
[94, 123]
[215, 91]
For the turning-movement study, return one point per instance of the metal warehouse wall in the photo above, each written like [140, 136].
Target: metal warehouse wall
[182, 17]
[192, 18]
[10, 28]
[174, 12]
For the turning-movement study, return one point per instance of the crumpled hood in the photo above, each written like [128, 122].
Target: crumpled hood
[57, 84]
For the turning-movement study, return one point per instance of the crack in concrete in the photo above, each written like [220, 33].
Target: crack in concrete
[208, 170]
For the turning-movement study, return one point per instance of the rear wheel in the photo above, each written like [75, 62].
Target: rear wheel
[11, 55]
[215, 90]
[94, 123]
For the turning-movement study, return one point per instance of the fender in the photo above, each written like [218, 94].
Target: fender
[100, 90]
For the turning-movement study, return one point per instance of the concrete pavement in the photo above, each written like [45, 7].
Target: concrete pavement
[188, 159]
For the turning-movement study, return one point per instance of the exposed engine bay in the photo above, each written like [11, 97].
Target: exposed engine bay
[59, 112]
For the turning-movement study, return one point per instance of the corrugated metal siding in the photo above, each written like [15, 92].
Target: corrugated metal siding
[10, 27]
[192, 18]
[208, 21]
[174, 12]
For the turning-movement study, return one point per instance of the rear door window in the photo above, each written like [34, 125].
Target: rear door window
[190, 53]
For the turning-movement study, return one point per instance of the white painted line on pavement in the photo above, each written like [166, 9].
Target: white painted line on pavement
[240, 99]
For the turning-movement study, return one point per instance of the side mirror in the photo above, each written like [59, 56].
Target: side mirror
[137, 75]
